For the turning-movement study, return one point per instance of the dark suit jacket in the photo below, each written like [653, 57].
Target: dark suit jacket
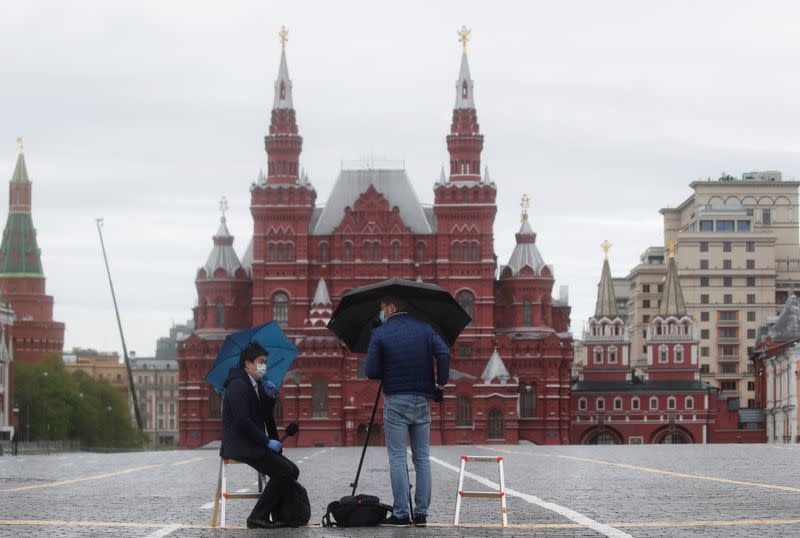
[245, 417]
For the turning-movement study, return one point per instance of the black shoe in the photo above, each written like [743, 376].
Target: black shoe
[420, 521]
[253, 523]
[397, 521]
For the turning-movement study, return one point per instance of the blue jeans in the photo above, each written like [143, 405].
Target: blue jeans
[407, 415]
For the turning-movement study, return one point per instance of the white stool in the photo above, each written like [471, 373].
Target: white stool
[501, 493]
[221, 495]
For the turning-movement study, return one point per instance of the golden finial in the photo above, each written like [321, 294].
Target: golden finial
[672, 247]
[284, 36]
[19, 145]
[463, 36]
[223, 205]
[524, 204]
[605, 246]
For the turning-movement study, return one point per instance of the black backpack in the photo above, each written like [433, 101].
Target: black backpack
[359, 511]
[293, 507]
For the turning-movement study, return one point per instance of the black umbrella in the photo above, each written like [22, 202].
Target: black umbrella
[357, 313]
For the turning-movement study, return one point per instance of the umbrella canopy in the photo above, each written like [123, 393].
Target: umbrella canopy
[357, 313]
[281, 352]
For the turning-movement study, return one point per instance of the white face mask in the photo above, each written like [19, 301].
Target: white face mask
[261, 370]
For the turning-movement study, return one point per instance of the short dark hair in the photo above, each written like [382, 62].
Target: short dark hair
[397, 301]
[251, 352]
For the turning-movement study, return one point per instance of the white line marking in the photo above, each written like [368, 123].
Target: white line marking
[165, 531]
[572, 515]
[207, 506]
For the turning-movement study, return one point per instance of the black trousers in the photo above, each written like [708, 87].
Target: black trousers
[281, 472]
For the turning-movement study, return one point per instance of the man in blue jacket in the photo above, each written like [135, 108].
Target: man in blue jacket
[401, 353]
[249, 433]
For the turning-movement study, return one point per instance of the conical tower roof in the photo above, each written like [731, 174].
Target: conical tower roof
[606, 299]
[19, 251]
[321, 297]
[283, 85]
[495, 369]
[525, 252]
[672, 303]
[464, 85]
[222, 255]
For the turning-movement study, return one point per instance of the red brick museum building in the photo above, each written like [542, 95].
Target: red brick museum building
[510, 373]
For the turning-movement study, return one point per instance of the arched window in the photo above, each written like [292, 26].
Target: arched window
[474, 256]
[466, 299]
[456, 252]
[281, 252]
[420, 251]
[671, 403]
[324, 252]
[464, 411]
[376, 250]
[527, 314]
[673, 439]
[366, 249]
[348, 251]
[597, 351]
[527, 401]
[583, 404]
[653, 403]
[663, 354]
[600, 404]
[271, 252]
[689, 404]
[465, 194]
[464, 90]
[319, 398]
[617, 403]
[280, 308]
[283, 90]
[612, 355]
[604, 438]
[395, 251]
[635, 403]
[679, 353]
[277, 412]
[220, 315]
[290, 252]
[496, 426]
[465, 251]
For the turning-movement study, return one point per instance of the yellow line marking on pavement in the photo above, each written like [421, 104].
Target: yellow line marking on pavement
[76, 480]
[652, 470]
[627, 524]
[191, 460]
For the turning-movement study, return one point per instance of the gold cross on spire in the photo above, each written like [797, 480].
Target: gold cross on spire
[672, 247]
[463, 36]
[524, 204]
[605, 246]
[223, 205]
[283, 35]
[19, 145]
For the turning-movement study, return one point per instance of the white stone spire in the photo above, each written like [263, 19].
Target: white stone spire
[321, 306]
[486, 178]
[495, 369]
[283, 86]
[464, 85]
[321, 297]
[442, 177]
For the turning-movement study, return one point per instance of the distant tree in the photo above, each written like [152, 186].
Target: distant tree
[58, 405]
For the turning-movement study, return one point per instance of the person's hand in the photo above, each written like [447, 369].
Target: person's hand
[440, 387]
[269, 388]
[275, 446]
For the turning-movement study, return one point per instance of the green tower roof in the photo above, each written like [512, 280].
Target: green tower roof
[19, 251]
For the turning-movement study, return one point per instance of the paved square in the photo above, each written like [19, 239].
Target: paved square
[642, 491]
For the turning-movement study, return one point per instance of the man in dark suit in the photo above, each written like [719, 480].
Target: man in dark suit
[249, 433]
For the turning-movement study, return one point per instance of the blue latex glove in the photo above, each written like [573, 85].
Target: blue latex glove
[269, 387]
[275, 446]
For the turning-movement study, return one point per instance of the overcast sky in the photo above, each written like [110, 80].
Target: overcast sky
[145, 113]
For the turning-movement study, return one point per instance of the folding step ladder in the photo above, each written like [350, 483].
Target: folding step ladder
[501, 494]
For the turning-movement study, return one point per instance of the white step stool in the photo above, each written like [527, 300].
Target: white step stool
[222, 495]
[501, 494]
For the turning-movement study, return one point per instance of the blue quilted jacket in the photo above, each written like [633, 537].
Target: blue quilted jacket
[401, 353]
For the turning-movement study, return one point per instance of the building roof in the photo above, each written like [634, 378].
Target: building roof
[525, 252]
[464, 99]
[285, 100]
[672, 303]
[393, 184]
[321, 297]
[495, 369]
[20, 170]
[606, 298]
[222, 255]
[640, 386]
[247, 258]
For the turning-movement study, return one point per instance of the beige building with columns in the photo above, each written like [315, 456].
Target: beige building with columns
[738, 256]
